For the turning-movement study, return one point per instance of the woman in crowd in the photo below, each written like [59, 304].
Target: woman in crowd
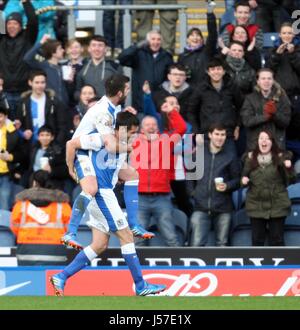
[267, 172]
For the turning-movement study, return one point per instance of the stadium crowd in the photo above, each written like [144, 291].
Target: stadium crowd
[236, 98]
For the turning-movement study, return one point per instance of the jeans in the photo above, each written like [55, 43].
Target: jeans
[201, 224]
[109, 24]
[5, 192]
[159, 207]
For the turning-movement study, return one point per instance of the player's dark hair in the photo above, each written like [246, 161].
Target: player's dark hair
[126, 119]
[115, 83]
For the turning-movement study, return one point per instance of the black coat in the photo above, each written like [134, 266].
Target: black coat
[209, 106]
[225, 165]
[196, 60]
[54, 115]
[145, 67]
[12, 51]
[286, 67]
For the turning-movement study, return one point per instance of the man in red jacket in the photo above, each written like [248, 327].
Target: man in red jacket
[153, 158]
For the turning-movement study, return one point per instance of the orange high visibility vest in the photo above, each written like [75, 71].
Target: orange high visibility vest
[39, 225]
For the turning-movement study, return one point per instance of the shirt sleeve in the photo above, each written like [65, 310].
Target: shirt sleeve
[91, 141]
[104, 124]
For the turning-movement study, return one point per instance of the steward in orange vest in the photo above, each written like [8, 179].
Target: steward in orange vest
[39, 219]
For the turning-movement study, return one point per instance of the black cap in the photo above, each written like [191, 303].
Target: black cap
[15, 17]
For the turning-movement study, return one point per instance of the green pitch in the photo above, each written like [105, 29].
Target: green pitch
[149, 303]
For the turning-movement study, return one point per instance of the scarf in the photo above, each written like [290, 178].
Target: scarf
[264, 160]
[236, 64]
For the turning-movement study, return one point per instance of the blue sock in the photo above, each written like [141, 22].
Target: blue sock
[133, 263]
[131, 198]
[81, 260]
[81, 203]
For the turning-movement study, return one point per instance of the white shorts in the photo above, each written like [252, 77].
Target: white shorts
[105, 212]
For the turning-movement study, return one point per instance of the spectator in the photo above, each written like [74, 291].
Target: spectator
[217, 99]
[45, 16]
[178, 174]
[48, 156]
[197, 53]
[150, 62]
[252, 54]
[39, 107]
[3, 98]
[268, 107]
[72, 66]
[175, 85]
[285, 62]
[268, 15]
[239, 69]
[74, 51]
[13, 47]
[39, 219]
[97, 69]
[243, 75]
[228, 16]
[10, 155]
[53, 53]
[61, 23]
[114, 40]
[168, 20]
[267, 172]
[154, 182]
[213, 200]
[242, 15]
[3, 4]
[87, 93]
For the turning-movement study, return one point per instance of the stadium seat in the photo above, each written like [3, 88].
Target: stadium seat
[240, 234]
[269, 39]
[294, 192]
[5, 218]
[292, 227]
[7, 238]
[268, 44]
